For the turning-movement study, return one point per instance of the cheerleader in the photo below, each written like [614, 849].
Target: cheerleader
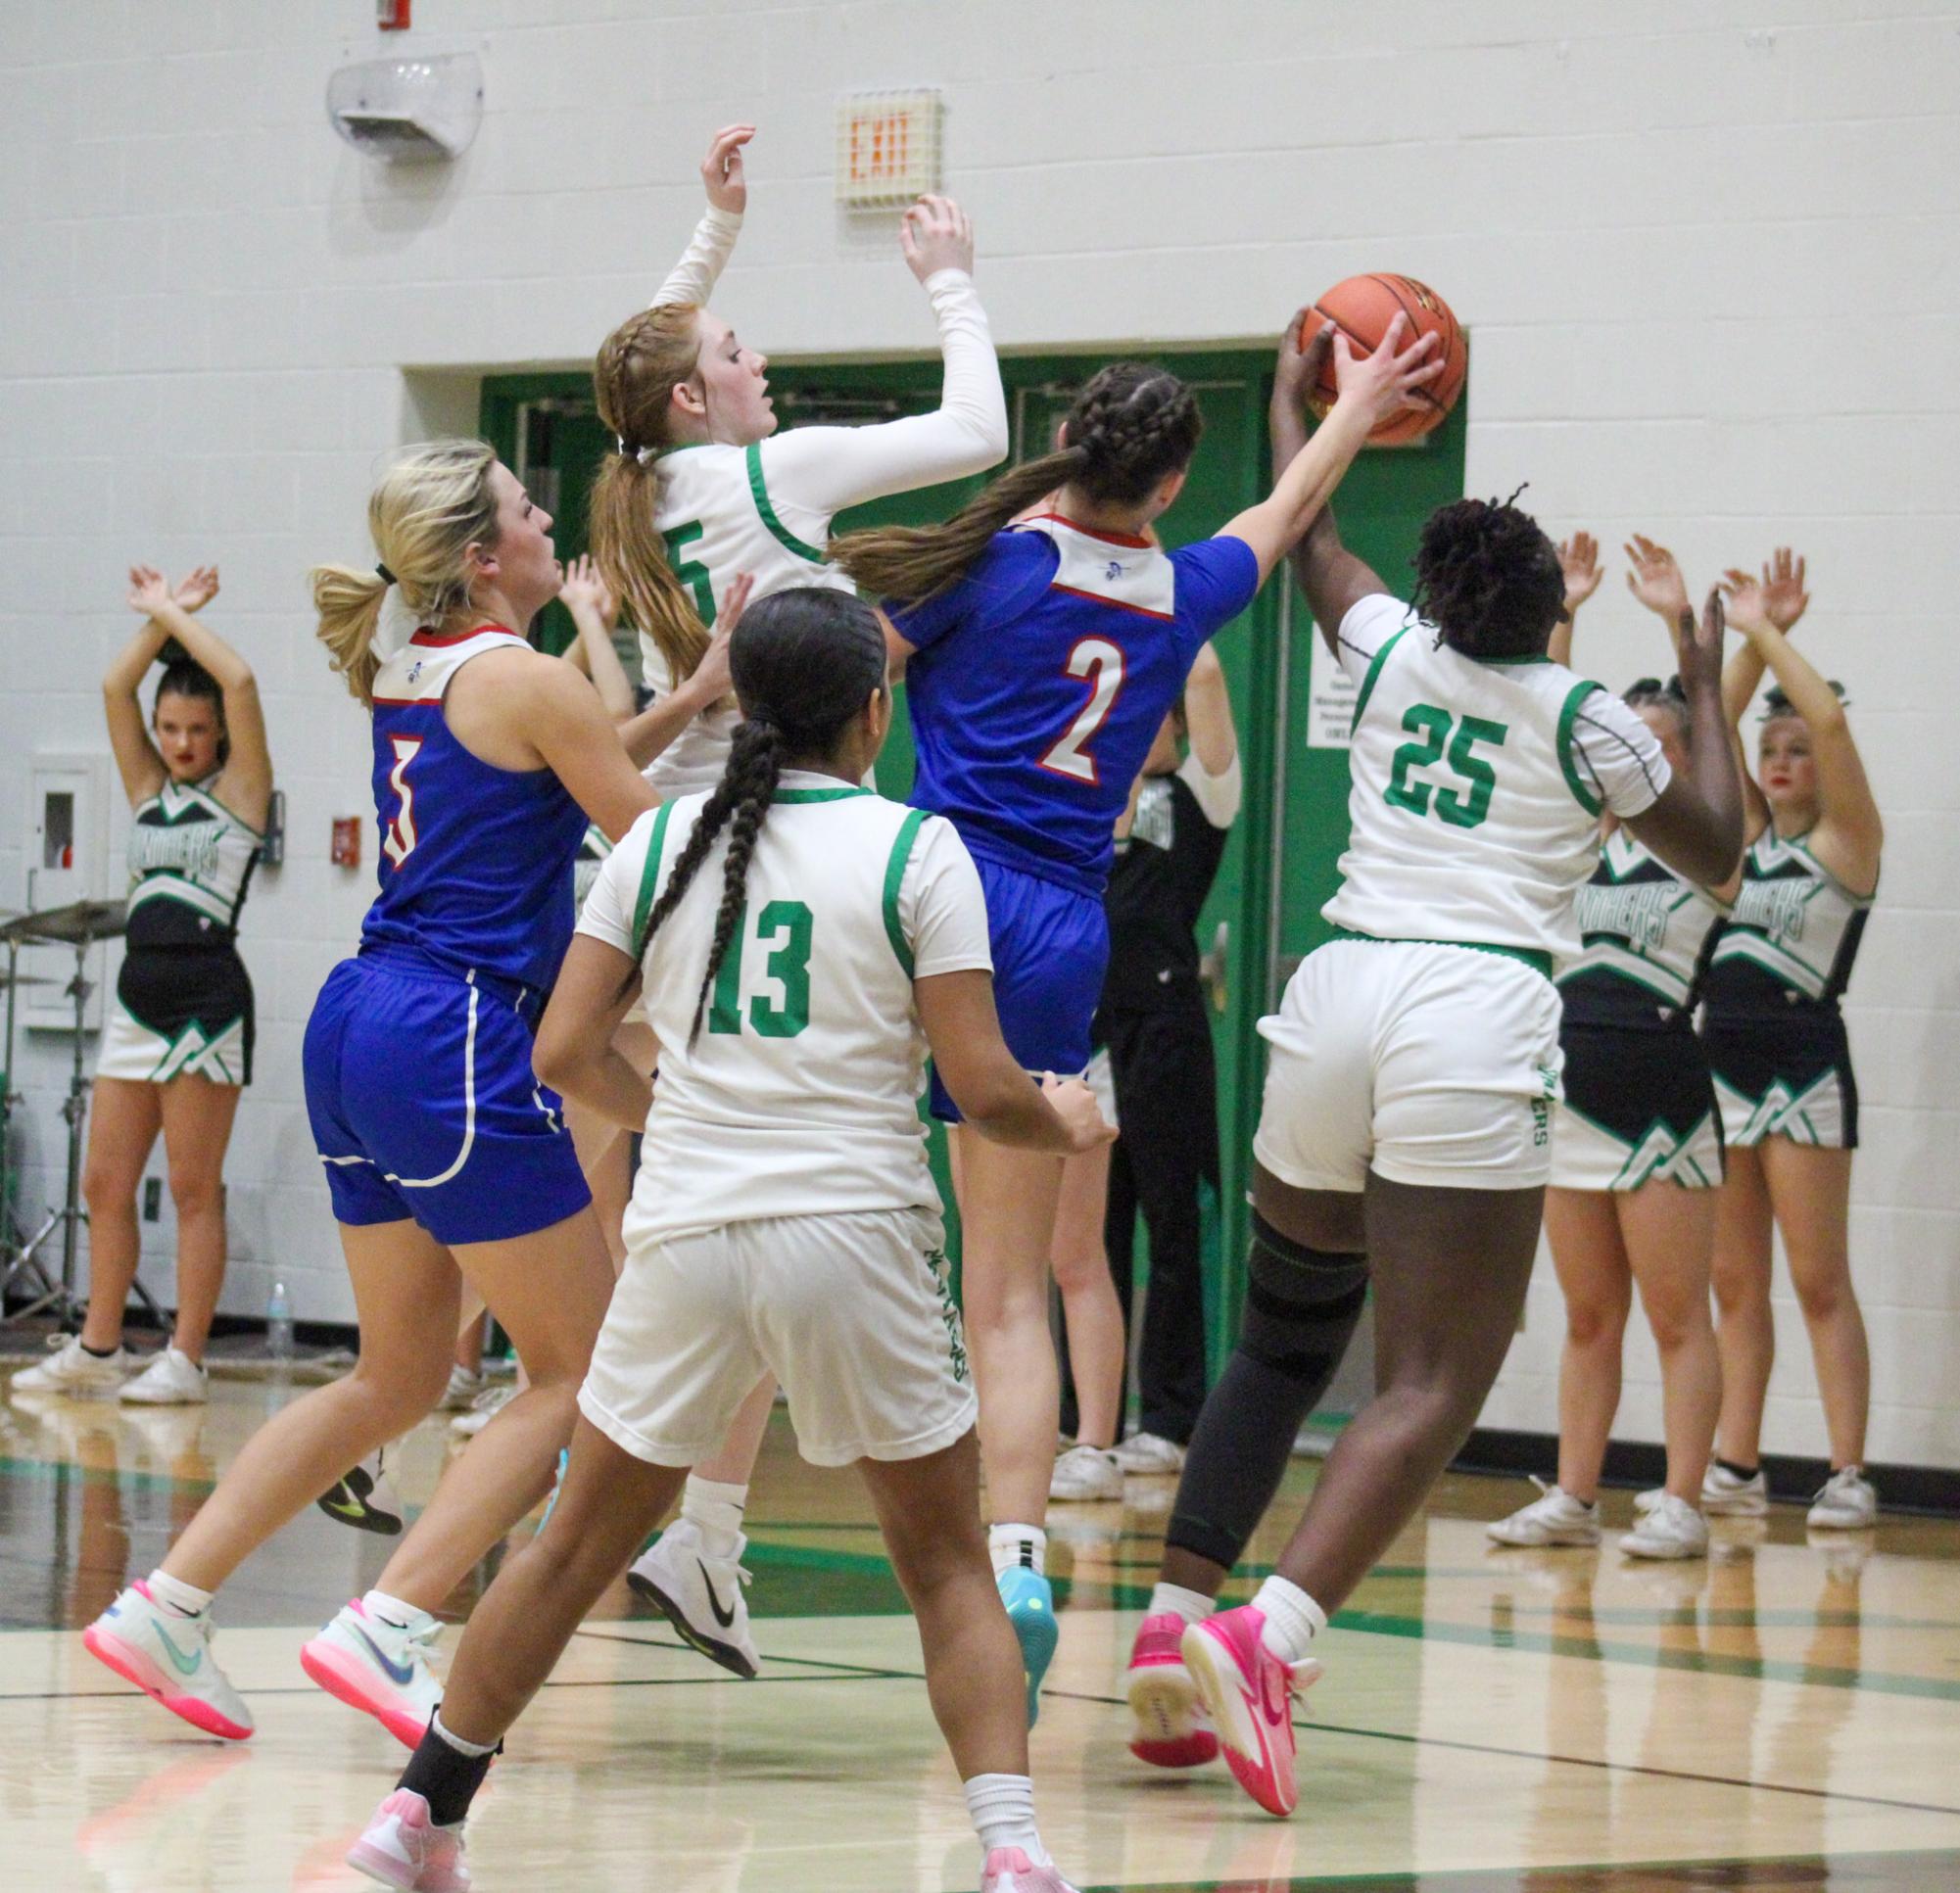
[176, 1050]
[1635, 1140]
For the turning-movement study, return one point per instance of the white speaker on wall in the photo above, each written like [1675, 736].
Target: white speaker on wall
[409, 110]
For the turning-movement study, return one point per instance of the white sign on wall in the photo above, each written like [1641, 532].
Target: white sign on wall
[1332, 692]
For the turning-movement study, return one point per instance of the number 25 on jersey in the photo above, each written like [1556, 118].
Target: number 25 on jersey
[1440, 737]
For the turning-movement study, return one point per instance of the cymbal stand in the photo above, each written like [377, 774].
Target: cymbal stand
[71, 1216]
[15, 1257]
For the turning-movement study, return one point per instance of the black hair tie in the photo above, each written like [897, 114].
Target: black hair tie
[382, 573]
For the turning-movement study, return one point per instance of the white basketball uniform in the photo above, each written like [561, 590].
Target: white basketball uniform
[766, 509]
[1422, 1042]
[783, 1220]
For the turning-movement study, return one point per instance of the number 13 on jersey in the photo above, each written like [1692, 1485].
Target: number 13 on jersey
[1100, 663]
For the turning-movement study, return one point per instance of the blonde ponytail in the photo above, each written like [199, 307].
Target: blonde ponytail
[432, 504]
[348, 604]
[634, 375]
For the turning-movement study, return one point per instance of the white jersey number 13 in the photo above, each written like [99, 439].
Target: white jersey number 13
[1100, 661]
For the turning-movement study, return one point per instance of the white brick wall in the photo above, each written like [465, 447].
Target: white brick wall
[1707, 251]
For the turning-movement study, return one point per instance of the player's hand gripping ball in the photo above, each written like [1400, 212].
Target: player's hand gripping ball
[1364, 306]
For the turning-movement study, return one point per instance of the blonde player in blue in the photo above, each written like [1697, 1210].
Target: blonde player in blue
[1045, 635]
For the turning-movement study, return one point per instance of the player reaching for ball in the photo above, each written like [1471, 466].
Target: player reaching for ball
[802, 943]
[1041, 660]
[1405, 1131]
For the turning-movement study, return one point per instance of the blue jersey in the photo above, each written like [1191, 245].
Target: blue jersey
[1042, 677]
[476, 861]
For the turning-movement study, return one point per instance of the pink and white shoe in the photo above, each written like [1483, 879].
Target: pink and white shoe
[168, 1656]
[379, 1667]
[1009, 1871]
[1248, 1692]
[403, 1848]
[1171, 1728]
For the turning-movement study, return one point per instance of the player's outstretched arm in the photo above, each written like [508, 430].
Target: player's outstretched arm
[574, 1052]
[693, 279]
[1696, 826]
[1373, 388]
[595, 611]
[645, 735]
[1579, 562]
[521, 700]
[996, 1096]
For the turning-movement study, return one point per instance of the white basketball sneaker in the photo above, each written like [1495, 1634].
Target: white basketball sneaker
[1086, 1475]
[403, 1848]
[699, 1596]
[171, 1378]
[1556, 1517]
[1723, 1494]
[72, 1369]
[1146, 1454]
[168, 1656]
[482, 1410]
[1846, 1502]
[379, 1667]
[1673, 1529]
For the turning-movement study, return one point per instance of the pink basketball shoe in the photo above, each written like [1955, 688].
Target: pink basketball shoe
[1009, 1871]
[1248, 1692]
[1171, 1727]
[403, 1848]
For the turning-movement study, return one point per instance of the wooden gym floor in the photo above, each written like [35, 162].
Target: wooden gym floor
[1786, 1715]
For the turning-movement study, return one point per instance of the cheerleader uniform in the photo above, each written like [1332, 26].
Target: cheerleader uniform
[1773, 1027]
[183, 1000]
[1638, 1105]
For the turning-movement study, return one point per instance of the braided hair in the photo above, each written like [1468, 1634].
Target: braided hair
[1131, 426]
[1489, 579]
[804, 662]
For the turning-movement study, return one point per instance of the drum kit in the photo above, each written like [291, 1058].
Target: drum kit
[78, 927]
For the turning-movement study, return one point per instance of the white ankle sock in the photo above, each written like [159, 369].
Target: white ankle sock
[1017, 1544]
[1192, 1605]
[476, 1751]
[392, 1610]
[1292, 1618]
[1003, 1810]
[715, 1509]
[187, 1600]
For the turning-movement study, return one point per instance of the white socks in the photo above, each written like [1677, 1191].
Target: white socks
[1193, 1607]
[392, 1610]
[187, 1600]
[1009, 1545]
[1292, 1618]
[715, 1510]
[475, 1751]
[1003, 1810]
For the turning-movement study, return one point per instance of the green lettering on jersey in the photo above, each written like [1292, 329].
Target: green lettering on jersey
[1433, 726]
[692, 572]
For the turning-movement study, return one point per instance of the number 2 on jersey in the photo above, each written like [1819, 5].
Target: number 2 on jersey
[1100, 661]
[1433, 726]
[397, 841]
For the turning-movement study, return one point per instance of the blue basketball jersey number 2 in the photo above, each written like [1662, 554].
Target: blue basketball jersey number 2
[1100, 662]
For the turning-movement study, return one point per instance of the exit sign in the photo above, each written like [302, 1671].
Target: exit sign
[888, 147]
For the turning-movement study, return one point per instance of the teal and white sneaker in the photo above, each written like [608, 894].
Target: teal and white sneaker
[1031, 1609]
[168, 1656]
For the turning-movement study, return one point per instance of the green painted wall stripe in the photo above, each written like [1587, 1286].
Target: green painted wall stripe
[781, 534]
[894, 878]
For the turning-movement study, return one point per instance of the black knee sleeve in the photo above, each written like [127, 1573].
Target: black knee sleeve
[1301, 1308]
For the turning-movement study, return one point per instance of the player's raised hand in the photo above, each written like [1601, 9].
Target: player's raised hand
[197, 590]
[934, 234]
[1697, 645]
[1655, 580]
[583, 586]
[1076, 1105]
[1302, 356]
[1579, 562]
[1385, 382]
[721, 169]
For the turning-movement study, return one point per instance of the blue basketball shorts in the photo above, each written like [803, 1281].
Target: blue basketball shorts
[424, 1106]
[1051, 946]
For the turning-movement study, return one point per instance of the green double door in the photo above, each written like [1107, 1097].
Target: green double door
[1280, 864]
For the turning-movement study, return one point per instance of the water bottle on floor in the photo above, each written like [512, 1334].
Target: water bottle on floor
[279, 1323]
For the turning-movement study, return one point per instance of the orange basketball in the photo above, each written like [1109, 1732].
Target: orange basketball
[1364, 306]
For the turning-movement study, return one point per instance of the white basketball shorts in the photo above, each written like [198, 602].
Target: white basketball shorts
[1427, 1063]
[852, 1312]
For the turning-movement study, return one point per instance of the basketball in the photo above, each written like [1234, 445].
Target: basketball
[1364, 306]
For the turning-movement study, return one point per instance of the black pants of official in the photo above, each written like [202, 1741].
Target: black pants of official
[1166, 1165]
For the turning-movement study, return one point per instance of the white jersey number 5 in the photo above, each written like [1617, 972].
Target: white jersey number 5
[400, 840]
[1100, 661]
